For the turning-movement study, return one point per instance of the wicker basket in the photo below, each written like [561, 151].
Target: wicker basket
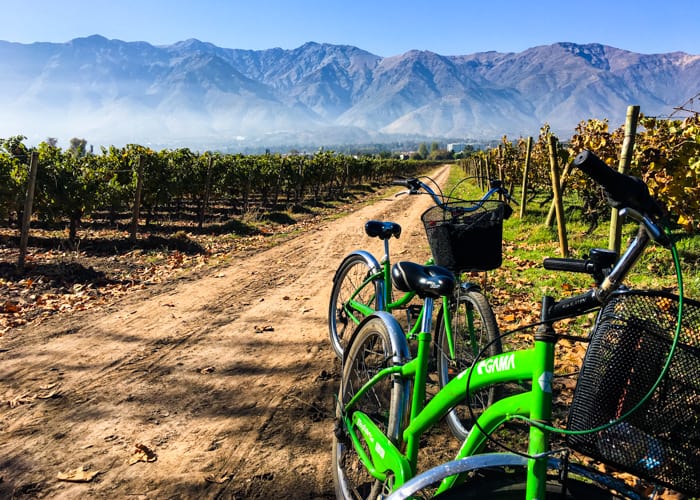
[629, 348]
[466, 235]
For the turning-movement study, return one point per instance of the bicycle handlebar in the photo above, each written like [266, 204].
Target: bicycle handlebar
[632, 196]
[625, 192]
[622, 190]
[571, 265]
[415, 186]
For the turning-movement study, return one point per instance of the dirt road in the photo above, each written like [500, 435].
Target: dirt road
[215, 386]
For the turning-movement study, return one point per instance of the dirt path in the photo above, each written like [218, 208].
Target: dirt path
[224, 382]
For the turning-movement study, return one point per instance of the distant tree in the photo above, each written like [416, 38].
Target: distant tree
[384, 154]
[78, 147]
[52, 141]
[423, 151]
[434, 147]
[441, 154]
[14, 145]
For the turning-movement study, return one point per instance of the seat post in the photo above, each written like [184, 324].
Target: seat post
[386, 250]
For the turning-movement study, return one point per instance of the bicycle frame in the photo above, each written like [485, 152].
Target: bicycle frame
[535, 364]
[380, 274]
[381, 278]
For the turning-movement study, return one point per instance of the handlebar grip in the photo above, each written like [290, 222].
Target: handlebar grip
[572, 265]
[400, 182]
[622, 190]
[575, 305]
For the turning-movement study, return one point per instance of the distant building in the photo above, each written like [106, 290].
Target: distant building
[456, 147]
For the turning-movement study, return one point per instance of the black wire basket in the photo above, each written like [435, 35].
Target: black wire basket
[466, 235]
[629, 348]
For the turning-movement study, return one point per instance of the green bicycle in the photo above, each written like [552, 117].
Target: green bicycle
[463, 235]
[635, 405]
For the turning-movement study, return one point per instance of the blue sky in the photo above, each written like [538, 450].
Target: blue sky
[385, 28]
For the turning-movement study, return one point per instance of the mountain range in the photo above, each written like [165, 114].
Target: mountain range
[195, 93]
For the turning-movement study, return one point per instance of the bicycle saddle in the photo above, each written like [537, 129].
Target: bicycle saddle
[426, 281]
[382, 230]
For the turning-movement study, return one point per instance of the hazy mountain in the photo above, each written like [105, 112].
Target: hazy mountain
[192, 92]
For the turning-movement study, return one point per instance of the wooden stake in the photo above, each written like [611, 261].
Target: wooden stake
[526, 171]
[623, 166]
[137, 200]
[27, 215]
[564, 176]
[561, 224]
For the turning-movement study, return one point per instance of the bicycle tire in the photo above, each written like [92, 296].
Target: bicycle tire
[350, 275]
[370, 350]
[486, 331]
[501, 487]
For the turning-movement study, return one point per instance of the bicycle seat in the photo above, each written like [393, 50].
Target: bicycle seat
[382, 230]
[426, 281]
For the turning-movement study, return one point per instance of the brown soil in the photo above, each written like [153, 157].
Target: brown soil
[218, 384]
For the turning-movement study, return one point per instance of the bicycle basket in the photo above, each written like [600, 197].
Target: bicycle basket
[629, 347]
[466, 235]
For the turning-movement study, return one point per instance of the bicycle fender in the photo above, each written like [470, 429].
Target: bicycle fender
[399, 343]
[453, 467]
[368, 258]
[468, 286]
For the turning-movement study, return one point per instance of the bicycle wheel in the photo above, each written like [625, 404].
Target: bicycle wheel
[342, 320]
[502, 487]
[370, 351]
[504, 476]
[473, 328]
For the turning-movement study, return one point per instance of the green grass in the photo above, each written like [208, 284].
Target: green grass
[527, 241]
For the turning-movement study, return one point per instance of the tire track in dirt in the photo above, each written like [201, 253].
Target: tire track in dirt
[228, 378]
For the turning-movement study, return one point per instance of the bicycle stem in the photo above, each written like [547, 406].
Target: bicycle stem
[635, 249]
[594, 297]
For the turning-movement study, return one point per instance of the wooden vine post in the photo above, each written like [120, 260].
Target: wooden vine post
[487, 180]
[500, 162]
[27, 215]
[562, 186]
[623, 167]
[480, 174]
[207, 193]
[137, 200]
[561, 224]
[526, 171]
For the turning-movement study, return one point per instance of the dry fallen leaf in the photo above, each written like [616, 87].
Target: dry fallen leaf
[211, 478]
[142, 454]
[11, 307]
[52, 391]
[20, 400]
[79, 475]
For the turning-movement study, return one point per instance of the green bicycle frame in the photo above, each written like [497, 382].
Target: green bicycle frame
[384, 276]
[535, 364]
